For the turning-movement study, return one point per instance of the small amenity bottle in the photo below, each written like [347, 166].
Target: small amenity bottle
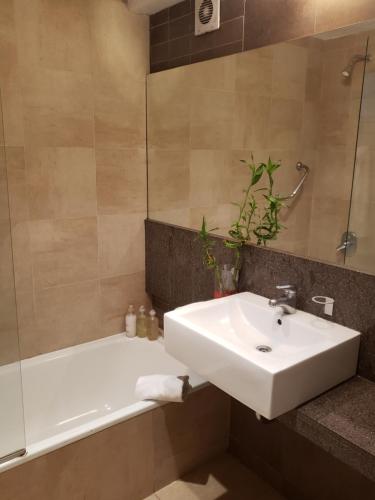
[131, 323]
[142, 322]
[153, 326]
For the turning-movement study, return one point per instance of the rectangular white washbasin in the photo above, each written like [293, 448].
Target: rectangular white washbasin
[300, 355]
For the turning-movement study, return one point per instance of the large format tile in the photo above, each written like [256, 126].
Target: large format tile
[168, 180]
[211, 119]
[121, 244]
[58, 108]
[117, 294]
[121, 180]
[9, 349]
[110, 465]
[59, 317]
[120, 113]
[54, 35]
[187, 436]
[8, 42]
[115, 54]
[168, 104]
[17, 184]
[61, 182]
[64, 251]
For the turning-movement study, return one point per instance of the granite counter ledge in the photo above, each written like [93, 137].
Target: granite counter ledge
[342, 422]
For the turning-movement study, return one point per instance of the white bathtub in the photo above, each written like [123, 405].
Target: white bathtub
[75, 392]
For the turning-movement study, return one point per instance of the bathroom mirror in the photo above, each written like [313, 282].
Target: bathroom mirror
[298, 101]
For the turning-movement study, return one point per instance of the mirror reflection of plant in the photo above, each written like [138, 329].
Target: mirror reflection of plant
[253, 221]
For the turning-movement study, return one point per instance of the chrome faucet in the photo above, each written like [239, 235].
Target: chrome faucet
[288, 301]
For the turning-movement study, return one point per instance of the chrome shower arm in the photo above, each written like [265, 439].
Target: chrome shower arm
[306, 169]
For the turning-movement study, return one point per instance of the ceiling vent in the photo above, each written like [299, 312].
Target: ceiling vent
[207, 16]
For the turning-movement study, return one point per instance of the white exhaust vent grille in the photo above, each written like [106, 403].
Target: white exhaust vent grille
[207, 16]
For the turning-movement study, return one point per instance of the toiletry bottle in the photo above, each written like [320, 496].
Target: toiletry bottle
[142, 322]
[131, 322]
[152, 326]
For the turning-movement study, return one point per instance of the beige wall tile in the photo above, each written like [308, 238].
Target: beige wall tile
[334, 174]
[211, 119]
[206, 177]
[59, 317]
[58, 108]
[13, 112]
[2, 141]
[109, 465]
[254, 72]
[61, 182]
[17, 184]
[310, 126]
[221, 216]
[30, 344]
[8, 42]
[114, 52]
[289, 71]
[169, 180]
[250, 123]
[285, 124]
[6, 257]
[120, 113]
[121, 244]
[184, 440]
[64, 251]
[168, 105]
[64, 36]
[179, 217]
[22, 257]
[117, 294]
[71, 76]
[121, 180]
[9, 349]
[219, 74]
[4, 199]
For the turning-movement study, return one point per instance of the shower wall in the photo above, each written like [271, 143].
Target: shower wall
[72, 75]
[362, 213]
[334, 127]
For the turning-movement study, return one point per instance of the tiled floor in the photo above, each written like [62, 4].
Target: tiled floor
[223, 478]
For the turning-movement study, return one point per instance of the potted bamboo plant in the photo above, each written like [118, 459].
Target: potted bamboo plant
[257, 221]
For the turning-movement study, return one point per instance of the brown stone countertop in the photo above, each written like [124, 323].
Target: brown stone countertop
[341, 421]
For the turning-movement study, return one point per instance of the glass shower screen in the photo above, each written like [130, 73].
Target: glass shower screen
[12, 433]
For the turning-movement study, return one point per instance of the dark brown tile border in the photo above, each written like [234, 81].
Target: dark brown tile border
[263, 23]
[176, 26]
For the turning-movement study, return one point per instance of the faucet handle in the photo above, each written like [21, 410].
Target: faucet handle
[289, 290]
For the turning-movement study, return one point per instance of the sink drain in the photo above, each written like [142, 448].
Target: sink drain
[263, 348]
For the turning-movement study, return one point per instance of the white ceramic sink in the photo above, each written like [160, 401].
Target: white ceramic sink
[219, 338]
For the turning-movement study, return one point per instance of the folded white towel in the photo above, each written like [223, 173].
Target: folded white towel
[162, 388]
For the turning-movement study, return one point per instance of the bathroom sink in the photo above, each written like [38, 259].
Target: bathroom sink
[270, 362]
